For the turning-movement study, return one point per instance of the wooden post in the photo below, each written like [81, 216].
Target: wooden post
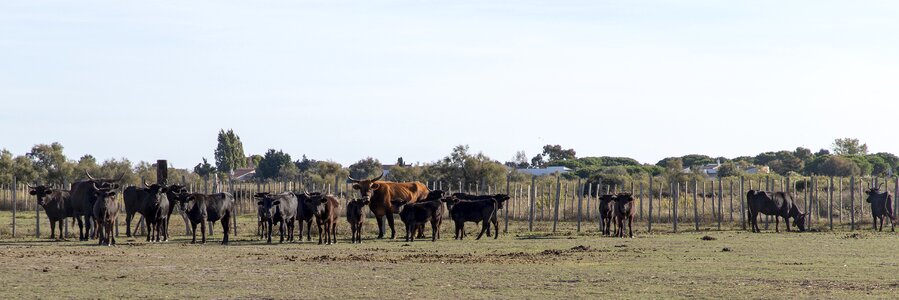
[720, 202]
[830, 204]
[558, 196]
[641, 199]
[532, 193]
[730, 213]
[852, 203]
[649, 225]
[589, 195]
[598, 192]
[37, 221]
[676, 198]
[15, 190]
[841, 200]
[767, 189]
[580, 192]
[695, 208]
[506, 209]
[742, 201]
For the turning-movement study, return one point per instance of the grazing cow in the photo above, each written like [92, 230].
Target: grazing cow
[462, 211]
[778, 204]
[281, 209]
[154, 208]
[606, 213]
[56, 204]
[624, 210]
[355, 216]
[305, 213]
[105, 210]
[83, 195]
[202, 208]
[381, 194]
[500, 198]
[324, 208]
[415, 215]
[881, 206]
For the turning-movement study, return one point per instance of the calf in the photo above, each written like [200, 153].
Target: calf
[202, 208]
[305, 213]
[624, 209]
[281, 209]
[355, 216]
[462, 211]
[56, 204]
[260, 213]
[778, 204]
[881, 206]
[500, 198]
[415, 215]
[324, 208]
[105, 210]
[606, 213]
[155, 210]
[172, 192]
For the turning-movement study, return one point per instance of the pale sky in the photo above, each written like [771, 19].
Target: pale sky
[343, 80]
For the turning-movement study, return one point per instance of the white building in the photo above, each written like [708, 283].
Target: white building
[544, 171]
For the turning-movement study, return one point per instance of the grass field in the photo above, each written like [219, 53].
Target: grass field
[731, 264]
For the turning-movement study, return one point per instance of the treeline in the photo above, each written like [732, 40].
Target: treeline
[46, 163]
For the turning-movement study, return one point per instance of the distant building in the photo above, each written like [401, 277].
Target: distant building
[758, 170]
[710, 170]
[243, 174]
[544, 171]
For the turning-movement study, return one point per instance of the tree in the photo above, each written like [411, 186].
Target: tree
[229, 153]
[555, 152]
[275, 164]
[849, 146]
[729, 169]
[204, 169]
[366, 168]
[305, 164]
[838, 166]
[460, 165]
[520, 160]
[50, 162]
[255, 159]
[803, 153]
[822, 152]
[537, 161]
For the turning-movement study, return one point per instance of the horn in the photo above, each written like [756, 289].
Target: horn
[95, 186]
[306, 193]
[144, 182]
[353, 179]
[89, 175]
[379, 176]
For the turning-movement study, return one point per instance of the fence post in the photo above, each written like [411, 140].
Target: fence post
[598, 193]
[532, 193]
[830, 204]
[852, 203]
[506, 208]
[742, 201]
[676, 198]
[558, 196]
[649, 226]
[641, 199]
[720, 201]
[15, 188]
[37, 222]
[580, 193]
[730, 213]
[695, 206]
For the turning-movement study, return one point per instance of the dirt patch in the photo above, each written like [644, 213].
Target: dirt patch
[855, 235]
[708, 238]
[580, 248]
[727, 249]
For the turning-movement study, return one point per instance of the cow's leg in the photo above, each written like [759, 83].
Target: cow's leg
[80, 228]
[193, 227]
[787, 222]
[309, 230]
[390, 223]
[380, 220]
[434, 231]
[111, 234]
[320, 228]
[226, 226]
[268, 235]
[293, 227]
[881, 224]
[484, 228]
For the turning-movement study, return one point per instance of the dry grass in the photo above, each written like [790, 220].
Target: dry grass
[732, 264]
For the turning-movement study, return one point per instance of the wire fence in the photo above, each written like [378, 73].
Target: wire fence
[546, 201]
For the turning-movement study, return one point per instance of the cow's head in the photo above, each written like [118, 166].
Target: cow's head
[176, 189]
[435, 195]
[103, 194]
[355, 206]
[799, 221]
[398, 205]
[624, 197]
[367, 186]
[183, 200]
[104, 183]
[41, 192]
[607, 198]
[156, 191]
[315, 201]
[875, 194]
[500, 199]
[450, 201]
[268, 205]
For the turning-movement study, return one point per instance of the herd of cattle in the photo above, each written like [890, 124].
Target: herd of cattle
[92, 203]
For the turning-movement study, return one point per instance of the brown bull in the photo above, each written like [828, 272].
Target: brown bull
[381, 193]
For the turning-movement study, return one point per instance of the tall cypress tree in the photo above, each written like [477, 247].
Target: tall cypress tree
[229, 153]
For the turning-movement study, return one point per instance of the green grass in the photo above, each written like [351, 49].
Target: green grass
[517, 265]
